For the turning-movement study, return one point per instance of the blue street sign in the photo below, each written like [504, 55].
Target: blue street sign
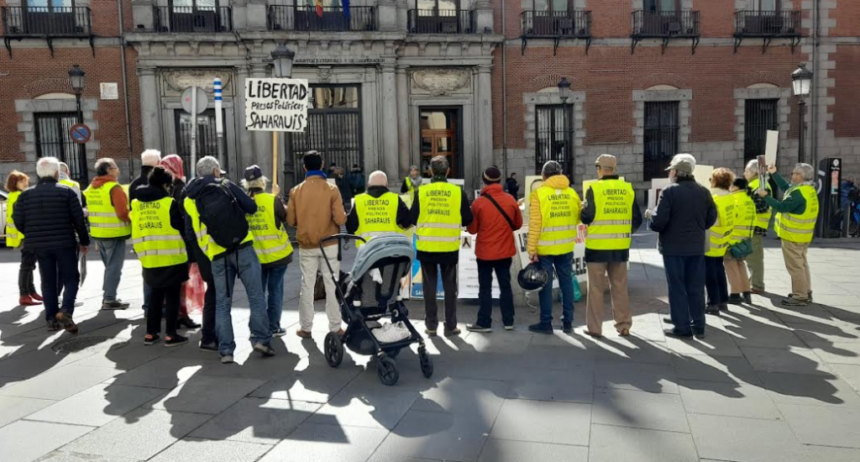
[80, 133]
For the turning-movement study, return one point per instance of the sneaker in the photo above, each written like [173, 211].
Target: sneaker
[151, 339]
[188, 323]
[430, 332]
[794, 301]
[747, 296]
[209, 346]
[724, 307]
[227, 359]
[114, 305]
[567, 328]
[479, 328]
[36, 297]
[303, 334]
[699, 335]
[54, 325]
[26, 300]
[674, 334]
[175, 340]
[264, 349]
[713, 309]
[452, 332]
[279, 333]
[68, 324]
[509, 327]
[735, 299]
[541, 328]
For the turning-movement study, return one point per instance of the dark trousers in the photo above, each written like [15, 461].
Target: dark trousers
[685, 276]
[205, 267]
[59, 266]
[502, 268]
[160, 295]
[715, 280]
[449, 284]
[25, 274]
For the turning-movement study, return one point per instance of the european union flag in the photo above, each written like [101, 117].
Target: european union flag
[345, 4]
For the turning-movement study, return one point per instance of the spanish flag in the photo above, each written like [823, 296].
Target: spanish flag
[319, 6]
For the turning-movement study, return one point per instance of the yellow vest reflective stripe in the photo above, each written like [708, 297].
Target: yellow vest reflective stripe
[613, 217]
[795, 227]
[762, 220]
[209, 247]
[559, 211]
[104, 223]
[13, 236]
[439, 222]
[72, 184]
[745, 217]
[156, 243]
[720, 233]
[270, 242]
[376, 215]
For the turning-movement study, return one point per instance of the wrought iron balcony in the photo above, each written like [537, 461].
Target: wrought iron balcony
[665, 25]
[21, 21]
[193, 19]
[332, 19]
[442, 22]
[767, 25]
[564, 24]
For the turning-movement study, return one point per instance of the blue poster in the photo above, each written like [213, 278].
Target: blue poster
[418, 279]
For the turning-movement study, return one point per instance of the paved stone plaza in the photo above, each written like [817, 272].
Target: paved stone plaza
[767, 384]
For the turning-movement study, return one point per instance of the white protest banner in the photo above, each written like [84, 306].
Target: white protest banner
[467, 270]
[276, 105]
[771, 147]
[702, 173]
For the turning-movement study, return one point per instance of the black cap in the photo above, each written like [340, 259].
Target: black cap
[253, 172]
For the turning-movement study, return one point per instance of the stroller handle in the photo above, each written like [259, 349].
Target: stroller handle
[339, 238]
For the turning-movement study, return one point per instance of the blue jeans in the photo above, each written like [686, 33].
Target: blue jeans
[273, 287]
[242, 263]
[685, 276]
[563, 265]
[59, 268]
[112, 252]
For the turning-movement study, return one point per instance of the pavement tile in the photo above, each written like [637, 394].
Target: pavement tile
[831, 454]
[326, 443]
[715, 343]
[839, 353]
[257, 420]
[464, 396]
[553, 385]
[73, 378]
[60, 456]
[199, 450]
[317, 384]
[849, 373]
[13, 408]
[810, 390]
[726, 399]
[825, 426]
[521, 451]
[639, 409]
[24, 441]
[611, 444]
[543, 422]
[435, 435]
[506, 343]
[655, 378]
[722, 369]
[206, 395]
[165, 372]
[140, 435]
[98, 405]
[747, 440]
[789, 360]
[359, 405]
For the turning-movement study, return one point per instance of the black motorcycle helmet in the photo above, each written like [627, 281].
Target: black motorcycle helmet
[532, 277]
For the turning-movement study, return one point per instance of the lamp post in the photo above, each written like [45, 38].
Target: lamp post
[282, 63]
[76, 78]
[801, 82]
[564, 95]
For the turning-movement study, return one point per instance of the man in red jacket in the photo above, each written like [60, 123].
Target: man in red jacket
[497, 216]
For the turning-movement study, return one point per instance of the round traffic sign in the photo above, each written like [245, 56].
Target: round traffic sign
[202, 100]
[80, 133]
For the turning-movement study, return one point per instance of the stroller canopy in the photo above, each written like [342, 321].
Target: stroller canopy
[381, 246]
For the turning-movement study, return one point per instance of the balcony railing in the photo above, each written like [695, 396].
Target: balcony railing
[767, 23]
[21, 21]
[193, 19]
[442, 22]
[665, 24]
[564, 24]
[333, 19]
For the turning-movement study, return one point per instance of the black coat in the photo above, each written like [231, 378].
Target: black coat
[50, 216]
[167, 276]
[588, 214]
[684, 214]
[141, 180]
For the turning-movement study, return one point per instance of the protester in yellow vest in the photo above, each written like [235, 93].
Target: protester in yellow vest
[65, 179]
[16, 183]
[745, 219]
[271, 243]
[107, 212]
[377, 211]
[439, 210]
[612, 216]
[795, 226]
[554, 211]
[411, 184]
[756, 260]
[156, 233]
[718, 242]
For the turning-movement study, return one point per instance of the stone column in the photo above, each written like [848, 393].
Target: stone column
[142, 13]
[390, 159]
[256, 14]
[483, 16]
[484, 114]
[262, 152]
[149, 99]
[403, 120]
[245, 155]
[386, 15]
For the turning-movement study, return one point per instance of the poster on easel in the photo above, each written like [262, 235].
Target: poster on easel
[467, 270]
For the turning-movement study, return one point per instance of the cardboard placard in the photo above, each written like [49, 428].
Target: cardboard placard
[276, 105]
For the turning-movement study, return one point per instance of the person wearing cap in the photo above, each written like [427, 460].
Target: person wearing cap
[612, 216]
[684, 213]
[149, 159]
[497, 216]
[755, 261]
[553, 218]
[271, 242]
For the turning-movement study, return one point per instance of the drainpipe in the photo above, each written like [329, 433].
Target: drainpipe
[816, 98]
[504, 96]
[125, 88]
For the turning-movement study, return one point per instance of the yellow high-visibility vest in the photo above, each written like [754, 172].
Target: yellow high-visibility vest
[745, 217]
[762, 220]
[13, 236]
[72, 184]
[104, 223]
[613, 217]
[376, 215]
[156, 243]
[208, 245]
[439, 222]
[559, 209]
[721, 232]
[799, 227]
[271, 243]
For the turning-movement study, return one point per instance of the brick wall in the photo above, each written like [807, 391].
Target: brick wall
[846, 111]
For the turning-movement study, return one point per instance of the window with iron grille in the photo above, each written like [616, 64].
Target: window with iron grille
[53, 140]
[759, 117]
[554, 136]
[661, 137]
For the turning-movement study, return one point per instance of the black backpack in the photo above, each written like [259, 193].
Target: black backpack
[220, 212]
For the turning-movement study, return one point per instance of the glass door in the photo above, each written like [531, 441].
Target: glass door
[440, 137]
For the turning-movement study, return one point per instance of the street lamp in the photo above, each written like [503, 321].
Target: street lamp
[564, 89]
[801, 82]
[282, 63]
[76, 78]
[564, 95]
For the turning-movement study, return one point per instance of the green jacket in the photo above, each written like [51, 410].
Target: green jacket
[792, 203]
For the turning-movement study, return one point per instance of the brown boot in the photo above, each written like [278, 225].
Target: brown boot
[66, 320]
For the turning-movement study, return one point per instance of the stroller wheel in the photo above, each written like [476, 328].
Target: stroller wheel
[386, 369]
[426, 363]
[333, 349]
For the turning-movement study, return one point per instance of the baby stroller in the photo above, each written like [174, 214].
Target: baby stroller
[364, 301]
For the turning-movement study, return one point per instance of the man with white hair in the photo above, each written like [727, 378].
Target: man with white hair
[762, 220]
[66, 180]
[377, 211]
[51, 217]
